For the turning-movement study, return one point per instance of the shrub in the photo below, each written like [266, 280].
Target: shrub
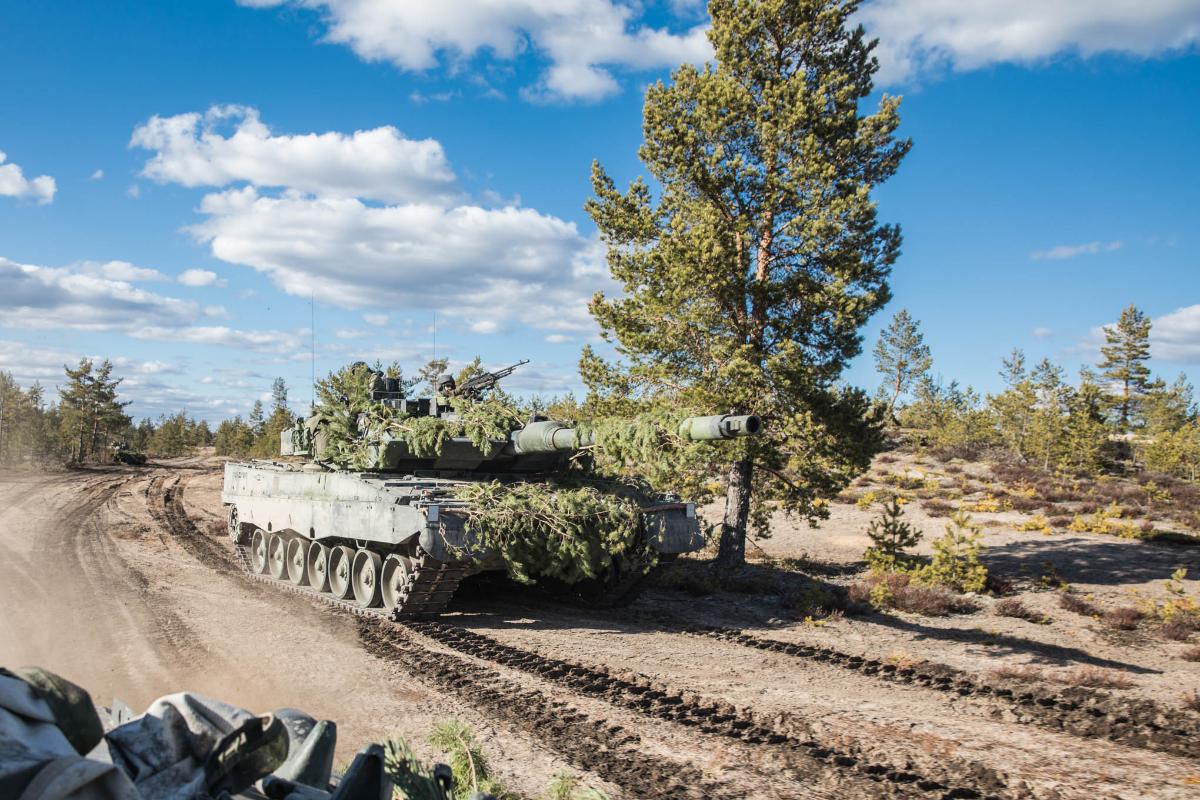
[1105, 520]
[1024, 504]
[1012, 607]
[955, 564]
[1178, 629]
[1191, 701]
[1191, 654]
[1059, 522]
[989, 504]
[890, 536]
[1095, 678]
[895, 590]
[1124, 618]
[1038, 523]
[1077, 605]
[937, 508]
[867, 500]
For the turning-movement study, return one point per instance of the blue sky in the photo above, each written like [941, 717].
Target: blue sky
[180, 178]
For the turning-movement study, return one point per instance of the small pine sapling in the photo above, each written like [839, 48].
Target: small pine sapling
[890, 536]
[955, 564]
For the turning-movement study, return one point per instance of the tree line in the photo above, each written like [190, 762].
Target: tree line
[88, 423]
[1115, 416]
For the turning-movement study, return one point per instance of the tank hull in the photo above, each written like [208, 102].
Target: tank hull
[282, 512]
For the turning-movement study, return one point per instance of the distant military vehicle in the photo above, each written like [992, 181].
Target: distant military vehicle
[389, 536]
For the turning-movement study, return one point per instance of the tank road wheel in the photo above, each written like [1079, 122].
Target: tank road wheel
[258, 552]
[397, 570]
[365, 577]
[340, 560]
[277, 555]
[297, 561]
[318, 566]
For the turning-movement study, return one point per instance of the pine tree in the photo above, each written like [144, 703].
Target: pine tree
[1086, 433]
[257, 421]
[746, 283]
[268, 437]
[901, 357]
[1013, 408]
[89, 408]
[1048, 423]
[1123, 362]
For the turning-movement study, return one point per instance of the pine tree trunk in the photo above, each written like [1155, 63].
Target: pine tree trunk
[732, 551]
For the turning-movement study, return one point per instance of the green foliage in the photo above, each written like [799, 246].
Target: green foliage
[466, 760]
[747, 278]
[949, 418]
[89, 412]
[234, 437]
[1123, 362]
[901, 356]
[178, 435]
[1175, 452]
[411, 779]
[890, 536]
[540, 529]
[955, 563]
[28, 431]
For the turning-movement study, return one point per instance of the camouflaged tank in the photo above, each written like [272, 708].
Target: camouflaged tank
[388, 538]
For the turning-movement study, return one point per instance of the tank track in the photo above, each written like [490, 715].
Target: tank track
[427, 593]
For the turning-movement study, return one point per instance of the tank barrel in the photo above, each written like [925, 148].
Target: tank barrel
[549, 436]
[720, 426]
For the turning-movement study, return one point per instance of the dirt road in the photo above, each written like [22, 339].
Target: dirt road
[122, 580]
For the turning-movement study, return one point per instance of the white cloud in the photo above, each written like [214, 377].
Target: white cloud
[1043, 333]
[1176, 336]
[558, 338]
[200, 277]
[921, 36]
[84, 297]
[13, 183]
[488, 264]
[1064, 251]
[581, 39]
[119, 271]
[134, 191]
[347, 333]
[97, 175]
[272, 341]
[380, 164]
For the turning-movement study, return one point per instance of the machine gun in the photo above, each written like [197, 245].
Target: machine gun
[473, 388]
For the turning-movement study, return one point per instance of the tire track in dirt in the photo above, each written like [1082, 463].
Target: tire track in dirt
[790, 739]
[1078, 711]
[164, 498]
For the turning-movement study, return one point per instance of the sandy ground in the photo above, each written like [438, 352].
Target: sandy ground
[97, 585]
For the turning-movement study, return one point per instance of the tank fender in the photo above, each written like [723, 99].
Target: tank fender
[446, 538]
[672, 528]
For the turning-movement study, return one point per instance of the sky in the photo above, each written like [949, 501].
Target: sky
[208, 193]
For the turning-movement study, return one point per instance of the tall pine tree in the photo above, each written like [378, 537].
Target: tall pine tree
[1123, 362]
[901, 357]
[746, 283]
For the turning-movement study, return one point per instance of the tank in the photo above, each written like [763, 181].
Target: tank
[393, 536]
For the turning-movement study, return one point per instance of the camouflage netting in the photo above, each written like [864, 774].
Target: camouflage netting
[540, 529]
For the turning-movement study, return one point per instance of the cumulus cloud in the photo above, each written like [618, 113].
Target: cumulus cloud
[486, 265]
[270, 341]
[230, 144]
[1176, 336]
[200, 277]
[920, 36]
[13, 183]
[97, 175]
[87, 297]
[1043, 333]
[119, 271]
[583, 40]
[1064, 251]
